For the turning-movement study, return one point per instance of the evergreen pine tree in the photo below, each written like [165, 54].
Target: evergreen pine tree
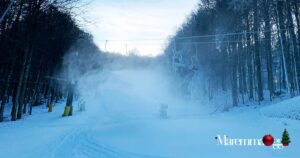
[285, 138]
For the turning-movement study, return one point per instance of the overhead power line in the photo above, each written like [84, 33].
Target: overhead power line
[192, 37]
[230, 34]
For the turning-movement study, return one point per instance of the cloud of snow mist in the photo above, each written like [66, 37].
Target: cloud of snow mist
[128, 92]
[77, 63]
[129, 87]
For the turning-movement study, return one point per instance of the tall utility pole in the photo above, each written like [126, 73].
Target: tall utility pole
[6, 9]
[105, 45]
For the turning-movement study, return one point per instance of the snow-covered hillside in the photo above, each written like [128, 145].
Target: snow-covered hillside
[122, 120]
[287, 109]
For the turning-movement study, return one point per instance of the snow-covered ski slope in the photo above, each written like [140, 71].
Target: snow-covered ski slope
[122, 121]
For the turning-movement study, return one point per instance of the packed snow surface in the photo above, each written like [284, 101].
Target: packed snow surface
[122, 120]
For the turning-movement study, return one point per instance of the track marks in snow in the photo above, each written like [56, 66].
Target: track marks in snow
[78, 142]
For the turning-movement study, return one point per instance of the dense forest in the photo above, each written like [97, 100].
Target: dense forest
[248, 49]
[35, 37]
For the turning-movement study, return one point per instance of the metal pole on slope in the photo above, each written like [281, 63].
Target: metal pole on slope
[105, 45]
[6, 10]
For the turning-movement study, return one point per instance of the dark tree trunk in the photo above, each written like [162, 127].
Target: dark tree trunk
[249, 61]
[287, 69]
[296, 8]
[234, 69]
[268, 47]
[21, 99]
[18, 92]
[5, 93]
[257, 54]
[294, 40]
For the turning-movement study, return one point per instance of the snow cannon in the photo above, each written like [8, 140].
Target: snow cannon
[163, 111]
[67, 111]
[50, 107]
